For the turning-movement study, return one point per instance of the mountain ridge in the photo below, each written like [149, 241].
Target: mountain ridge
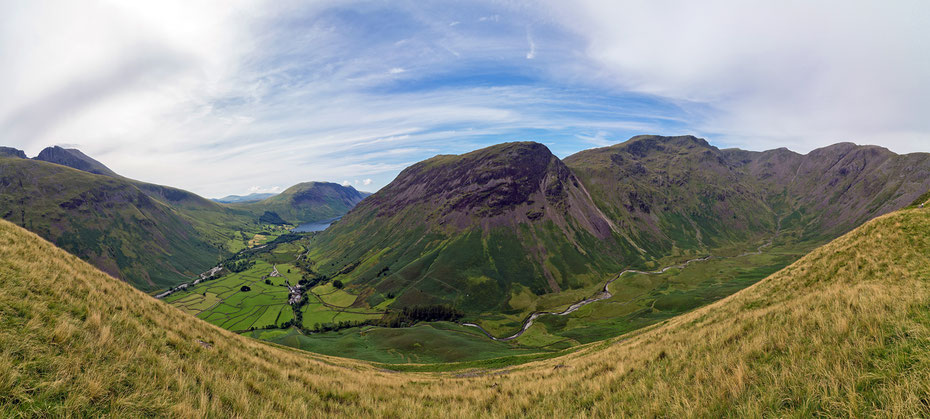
[436, 233]
[252, 197]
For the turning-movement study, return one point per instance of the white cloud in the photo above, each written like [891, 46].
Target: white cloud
[346, 183]
[396, 70]
[794, 73]
[261, 189]
[366, 182]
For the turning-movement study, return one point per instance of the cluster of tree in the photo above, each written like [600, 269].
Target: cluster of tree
[268, 326]
[310, 281]
[330, 327]
[409, 316]
[338, 284]
[349, 268]
[238, 265]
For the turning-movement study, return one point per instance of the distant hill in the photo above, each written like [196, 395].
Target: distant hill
[841, 332]
[253, 197]
[74, 158]
[305, 202]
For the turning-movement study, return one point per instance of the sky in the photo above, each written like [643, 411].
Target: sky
[234, 97]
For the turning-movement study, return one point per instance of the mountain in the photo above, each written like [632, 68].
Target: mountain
[305, 202]
[12, 152]
[75, 159]
[252, 197]
[473, 230]
[841, 332]
[511, 225]
[836, 188]
[108, 221]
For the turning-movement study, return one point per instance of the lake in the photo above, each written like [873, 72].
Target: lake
[315, 226]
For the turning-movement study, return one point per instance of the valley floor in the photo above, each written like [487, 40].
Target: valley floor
[631, 300]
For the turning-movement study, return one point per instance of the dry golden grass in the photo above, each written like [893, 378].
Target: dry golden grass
[842, 332]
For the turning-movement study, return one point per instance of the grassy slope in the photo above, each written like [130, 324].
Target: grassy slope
[844, 331]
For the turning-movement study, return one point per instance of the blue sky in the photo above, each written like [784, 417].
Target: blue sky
[224, 97]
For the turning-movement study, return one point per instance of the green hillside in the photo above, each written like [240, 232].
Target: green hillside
[151, 236]
[843, 331]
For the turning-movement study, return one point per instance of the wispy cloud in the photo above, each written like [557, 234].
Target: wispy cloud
[599, 139]
[532, 52]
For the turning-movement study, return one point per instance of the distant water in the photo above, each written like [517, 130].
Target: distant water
[315, 226]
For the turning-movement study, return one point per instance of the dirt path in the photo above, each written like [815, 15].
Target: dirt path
[605, 294]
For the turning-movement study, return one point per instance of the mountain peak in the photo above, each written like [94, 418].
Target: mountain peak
[493, 179]
[74, 159]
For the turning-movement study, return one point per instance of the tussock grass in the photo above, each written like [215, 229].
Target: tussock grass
[844, 331]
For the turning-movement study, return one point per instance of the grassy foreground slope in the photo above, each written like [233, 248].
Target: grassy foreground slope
[844, 331]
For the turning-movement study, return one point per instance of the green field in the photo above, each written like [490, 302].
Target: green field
[222, 302]
[332, 296]
[422, 343]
